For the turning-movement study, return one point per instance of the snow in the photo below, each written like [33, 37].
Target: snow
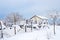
[42, 17]
[35, 25]
[57, 35]
[40, 34]
[29, 36]
[2, 25]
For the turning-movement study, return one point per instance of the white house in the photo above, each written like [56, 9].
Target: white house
[40, 20]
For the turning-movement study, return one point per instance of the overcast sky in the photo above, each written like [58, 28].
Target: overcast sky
[28, 8]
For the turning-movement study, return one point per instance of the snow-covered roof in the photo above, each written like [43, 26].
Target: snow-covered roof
[40, 16]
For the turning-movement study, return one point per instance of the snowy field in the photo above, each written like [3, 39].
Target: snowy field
[40, 34]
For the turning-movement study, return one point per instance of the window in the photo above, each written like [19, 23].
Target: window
[44, 22]
[35, 22]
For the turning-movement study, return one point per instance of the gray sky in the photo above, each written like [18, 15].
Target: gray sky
[28, 8]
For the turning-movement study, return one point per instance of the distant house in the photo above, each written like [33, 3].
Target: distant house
[41, 20]
[38, 19]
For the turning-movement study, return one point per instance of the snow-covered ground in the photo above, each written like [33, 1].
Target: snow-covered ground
[57, 35]
[41, 34]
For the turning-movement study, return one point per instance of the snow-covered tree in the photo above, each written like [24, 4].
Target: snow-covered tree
[54, 16]
[13, 18]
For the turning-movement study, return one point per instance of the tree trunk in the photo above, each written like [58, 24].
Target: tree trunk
[25, 28]
[31, 26]
[1, 33]
[54, 28]
[54, 25]
[15, 30]
[1, 30]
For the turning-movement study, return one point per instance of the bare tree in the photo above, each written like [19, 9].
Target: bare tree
[13, 18]
[54, 16]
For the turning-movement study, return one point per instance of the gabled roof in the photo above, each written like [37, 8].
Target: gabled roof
[42, 17]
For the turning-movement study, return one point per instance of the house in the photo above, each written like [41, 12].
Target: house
[40, 20]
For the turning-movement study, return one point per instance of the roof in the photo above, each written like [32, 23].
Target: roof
[42, 17]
